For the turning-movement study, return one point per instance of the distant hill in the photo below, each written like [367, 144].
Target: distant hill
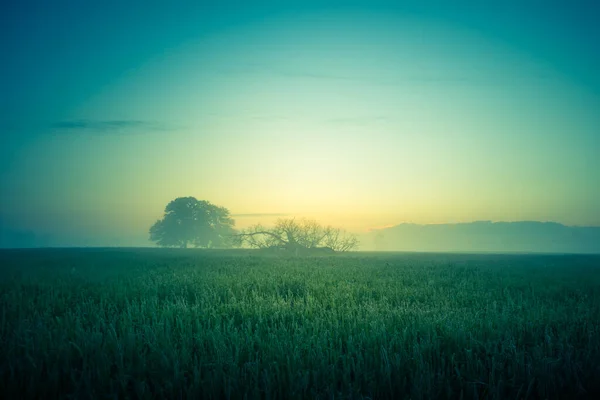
[485, 236]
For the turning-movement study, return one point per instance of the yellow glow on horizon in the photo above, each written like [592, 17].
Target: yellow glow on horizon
[401, 120]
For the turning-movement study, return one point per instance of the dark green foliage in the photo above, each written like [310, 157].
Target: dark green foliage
[158, 323]
[196, 222]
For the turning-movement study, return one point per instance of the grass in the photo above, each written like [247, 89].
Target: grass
[147, 323]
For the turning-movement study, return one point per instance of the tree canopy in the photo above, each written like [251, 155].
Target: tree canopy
[188, 221]
[298, 236]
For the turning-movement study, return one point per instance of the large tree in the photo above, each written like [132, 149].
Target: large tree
[298, 237]
[188, 221]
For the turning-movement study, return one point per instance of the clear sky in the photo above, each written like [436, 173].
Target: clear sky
[359, 113]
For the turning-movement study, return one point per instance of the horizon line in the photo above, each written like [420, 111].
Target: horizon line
[382, 227]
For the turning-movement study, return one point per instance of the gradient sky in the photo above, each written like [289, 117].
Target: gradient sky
[359, 114]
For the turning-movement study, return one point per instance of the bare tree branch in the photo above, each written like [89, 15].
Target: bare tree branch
[299, 236]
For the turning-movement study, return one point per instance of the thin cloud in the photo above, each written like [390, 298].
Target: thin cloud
[489, 79]
[254, 215]
[110, 126]
[319, 75]
[379, 228]
[257, 68]
[362, 121]
[397, 79]
[393, 78]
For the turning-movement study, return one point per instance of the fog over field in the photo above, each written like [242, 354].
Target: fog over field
[316, 199]
[486, 236]
[359, 115]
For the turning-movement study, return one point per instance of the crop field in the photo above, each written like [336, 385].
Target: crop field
[151, 323]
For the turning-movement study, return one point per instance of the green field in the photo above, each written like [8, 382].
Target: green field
[149, 323]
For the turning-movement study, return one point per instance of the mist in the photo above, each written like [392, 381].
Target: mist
[357, 117]
[365, 199]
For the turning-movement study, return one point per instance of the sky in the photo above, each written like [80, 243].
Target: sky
[360, 114]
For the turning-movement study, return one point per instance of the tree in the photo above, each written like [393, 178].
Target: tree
[298, 237]
[196, 222]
